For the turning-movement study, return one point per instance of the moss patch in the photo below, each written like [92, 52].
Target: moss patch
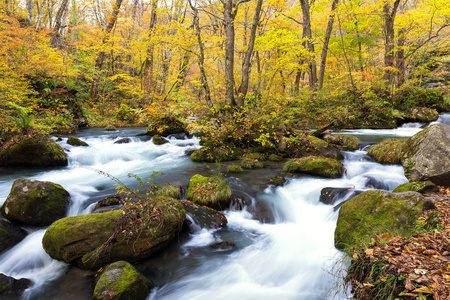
[158, 140]
[211, 191]
[235, 169]
[348, 142]
[168, 191]
[376, 212]
[388, 151]
[225, 153]
[316, 165]
[165, 126]
[423, 187]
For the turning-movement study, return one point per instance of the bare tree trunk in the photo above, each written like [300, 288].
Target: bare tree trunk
[149, 60]
[101, 56]
[229, 51]
[201, 57]
[326, 41]
[400, 62]
[389, 35]
[307, 33]
[246, 64]
[29, 7]
[56, 37]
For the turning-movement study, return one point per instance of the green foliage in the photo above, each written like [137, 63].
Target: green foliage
[168, 191]
[235, 169]
[388, 151]
[274, 157]
[125, 113]
[411, 96]
[251, 163]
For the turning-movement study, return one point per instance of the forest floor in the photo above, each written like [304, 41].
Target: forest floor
[421, 262]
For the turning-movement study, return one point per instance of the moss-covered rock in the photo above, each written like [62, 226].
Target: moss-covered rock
[347, 142]
[421, 114]
[132, 233]
[110, 127]
[170, 191]
[202, 217]
[36, 203]
[158, 140]
[274, 157]
[211, 191]
[277, 180]
[165, 126]
[113, 200]
[74, 141]
[10, 235]
[316, 165]
[375, 212]
[235, 169]
[426, 155]
[423, 187]
[304, 144]
[224, 153]
[121, 281]
[251, 163]
[11, 288]
[388, 151]
[35, 151]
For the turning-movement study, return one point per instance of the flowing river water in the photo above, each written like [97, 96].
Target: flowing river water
[290, 257]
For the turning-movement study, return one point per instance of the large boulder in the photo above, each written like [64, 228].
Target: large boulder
[426, 155]
[34, 151]
[376, 212]
[199, 216]
[165, 126]
[421, 114]
[211, 191]
[10, 235]
[121, 281]
[132, 233]
[316, 165]
[11, 288]
[36, 203]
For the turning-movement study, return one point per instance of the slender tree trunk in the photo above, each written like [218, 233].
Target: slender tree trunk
[29, 7]
[229, 51]
[246, 64]
[326, 41]
[41, 14]
[201, 57]
[307, 33]
[56, 37]
[182, 71]
[149, 60]
[389, 36]
[101, 56]
[400, 62]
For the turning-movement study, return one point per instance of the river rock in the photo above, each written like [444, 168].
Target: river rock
[123, 141]
[307, 145]
[165, 126]
[74, 141]
[199, 217]
[376, 212]
[330, 195]
[421, 114]
[34, 151]
[213, 192]
[113, 200]
[121, 281]
[423, 187]
[158, 140]
[11, 288]
[426, 155]
[35, 203]
[316, 165]
[110, 127]
[133, 233]
[10, 235]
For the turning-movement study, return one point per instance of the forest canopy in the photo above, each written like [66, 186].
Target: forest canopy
[73, 63]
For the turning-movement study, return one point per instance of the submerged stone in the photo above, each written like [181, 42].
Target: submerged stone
[11, 288]
[10, 235]
[202, 217]
[74, 141]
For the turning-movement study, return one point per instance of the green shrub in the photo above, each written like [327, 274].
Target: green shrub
[410, 96]
[235, 169]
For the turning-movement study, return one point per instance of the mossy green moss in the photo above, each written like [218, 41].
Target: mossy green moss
[211, 191]
[168, 191]
[388, 151]
[134, 232]
[225, 153]
[305, 144]
[251, 163]
[235, 169]
[423, 187]
[274, 157]
[316, 165]
[376, 212]
[165, 126]
[74, 141]
[35, 151]
[277, 180]
[110, 127]
[158, 140]
[121, 281]
[348, 142]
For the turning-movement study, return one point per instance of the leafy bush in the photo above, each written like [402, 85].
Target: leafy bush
[410, 96]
